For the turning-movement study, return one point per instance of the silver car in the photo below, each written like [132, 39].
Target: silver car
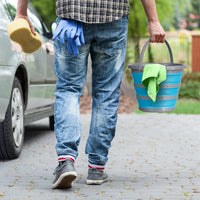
[27, 82]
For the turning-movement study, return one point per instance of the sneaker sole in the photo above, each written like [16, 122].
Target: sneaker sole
[65, 180]
[95, 182]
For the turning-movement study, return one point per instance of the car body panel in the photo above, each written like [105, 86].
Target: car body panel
[38, 67]
[7, 61]
[6, 77]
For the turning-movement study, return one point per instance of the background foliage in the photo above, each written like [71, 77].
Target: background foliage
[46, 9]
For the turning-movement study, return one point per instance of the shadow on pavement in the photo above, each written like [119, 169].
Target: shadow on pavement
[35, 131]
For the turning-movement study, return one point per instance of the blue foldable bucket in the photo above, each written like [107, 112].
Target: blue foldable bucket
[168, 89]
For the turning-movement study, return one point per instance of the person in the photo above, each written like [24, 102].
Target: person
[98, 28]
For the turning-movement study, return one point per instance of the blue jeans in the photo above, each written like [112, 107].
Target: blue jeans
[106, 43]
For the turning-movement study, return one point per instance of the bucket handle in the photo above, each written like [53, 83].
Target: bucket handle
[145, 46]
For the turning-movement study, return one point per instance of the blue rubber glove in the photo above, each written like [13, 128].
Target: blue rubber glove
[72, 31]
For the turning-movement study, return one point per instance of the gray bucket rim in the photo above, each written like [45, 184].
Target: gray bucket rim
[170, 67]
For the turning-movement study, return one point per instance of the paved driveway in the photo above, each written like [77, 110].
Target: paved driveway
[153, 157]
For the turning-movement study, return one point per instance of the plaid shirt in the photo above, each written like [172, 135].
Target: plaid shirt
[92, 11]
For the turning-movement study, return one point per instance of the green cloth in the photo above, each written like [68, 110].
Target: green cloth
[153, 75]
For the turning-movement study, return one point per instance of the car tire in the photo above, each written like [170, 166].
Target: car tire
[51, 122]
[12, 128]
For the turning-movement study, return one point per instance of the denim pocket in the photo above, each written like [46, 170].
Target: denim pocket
[112, 36]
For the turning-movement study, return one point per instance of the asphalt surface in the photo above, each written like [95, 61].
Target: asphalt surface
[153, 157]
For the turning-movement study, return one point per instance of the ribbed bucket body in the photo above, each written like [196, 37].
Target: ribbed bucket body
[166, 97]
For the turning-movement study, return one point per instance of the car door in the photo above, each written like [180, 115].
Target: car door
[50, 74]
[50, 80]
[35, 64]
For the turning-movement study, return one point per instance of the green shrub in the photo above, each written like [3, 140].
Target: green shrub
[191, 89]
[190, 77]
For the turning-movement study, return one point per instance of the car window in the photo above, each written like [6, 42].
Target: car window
[2, 13]
[5, 11]
[35, 20]
[31, 13]
[12, 8]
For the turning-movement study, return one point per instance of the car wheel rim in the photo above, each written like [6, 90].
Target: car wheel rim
[17, 117]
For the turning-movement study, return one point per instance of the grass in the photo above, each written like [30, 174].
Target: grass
[187, 106]
[183, 106]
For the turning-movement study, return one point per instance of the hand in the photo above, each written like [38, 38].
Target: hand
[73, 32]
[156, 31]
[21, 12]
[29, 22]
